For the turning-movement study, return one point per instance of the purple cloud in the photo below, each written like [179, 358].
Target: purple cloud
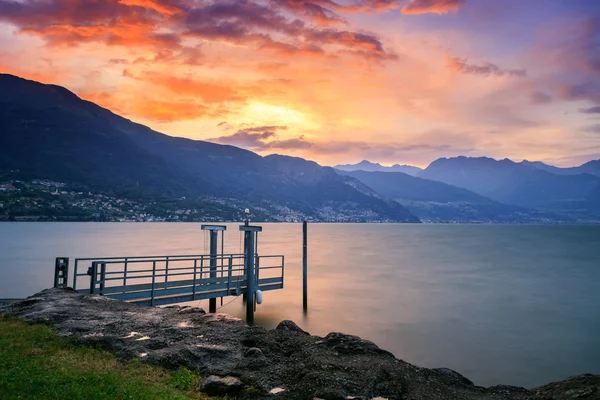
[486, 69]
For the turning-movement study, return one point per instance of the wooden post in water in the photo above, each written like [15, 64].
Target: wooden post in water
[305, 265]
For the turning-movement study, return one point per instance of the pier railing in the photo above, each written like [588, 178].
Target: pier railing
[160, 280]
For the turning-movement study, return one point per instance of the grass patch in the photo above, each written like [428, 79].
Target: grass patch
[37, 364]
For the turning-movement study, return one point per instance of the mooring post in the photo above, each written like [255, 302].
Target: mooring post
[246, 223]
[249, 255]
[250, 278]
[61, 272]
[214, 244]
[212, 303]
[305, 265]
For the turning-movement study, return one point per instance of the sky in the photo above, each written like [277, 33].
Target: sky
[335, 81]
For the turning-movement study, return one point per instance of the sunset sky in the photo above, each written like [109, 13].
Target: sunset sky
[392, 81]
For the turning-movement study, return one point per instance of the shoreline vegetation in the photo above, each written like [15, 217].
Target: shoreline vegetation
[36, 363]
[182, 352]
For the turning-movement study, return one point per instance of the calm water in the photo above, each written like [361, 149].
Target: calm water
[500, 304]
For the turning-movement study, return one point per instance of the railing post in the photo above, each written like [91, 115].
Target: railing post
[125, 274]
[166, 271]
[229, 275]
[75, 275]
[153, 282]
[93, 277]
[102, 277]
[194, 281]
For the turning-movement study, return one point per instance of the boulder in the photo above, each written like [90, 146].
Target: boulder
[221, 386]
[290, 326]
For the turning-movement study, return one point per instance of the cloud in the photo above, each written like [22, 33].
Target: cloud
[486, 69]
[169, 111]
[294, 26]
[118, 61]
[592, 129]
[432, 6]
[539, 97]
[248, 22]
[591, 110]
[255, 138]
[313, 10]
[265, 138]
[587, 91]
[209, 91]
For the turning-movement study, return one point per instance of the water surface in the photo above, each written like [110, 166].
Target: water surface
[515, 305]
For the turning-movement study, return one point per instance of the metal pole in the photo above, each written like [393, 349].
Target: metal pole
[93, 277]
[75, 276]
[305, 266]
[102, 277]
[244, 295]
[212, 303]
[250, 278]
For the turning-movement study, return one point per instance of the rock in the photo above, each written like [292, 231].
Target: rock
[453, 376]
[221, 386]
[585, 386]
[254, 352]
[216, 345]
[349, 344]
[290, 326]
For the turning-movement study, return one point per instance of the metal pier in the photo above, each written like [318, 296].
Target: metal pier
[153, 281]
[162, 280]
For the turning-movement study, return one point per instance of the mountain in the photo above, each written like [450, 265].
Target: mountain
[592, 168]
[439, 202]
[50, 133]
[369, 166]
[520, 184]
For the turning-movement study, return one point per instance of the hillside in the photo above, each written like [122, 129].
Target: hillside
[439, 202]
[50, 133]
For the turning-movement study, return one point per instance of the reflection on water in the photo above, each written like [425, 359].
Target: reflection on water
[500, 304]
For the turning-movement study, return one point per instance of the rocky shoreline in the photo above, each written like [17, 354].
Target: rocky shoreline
[251, 362]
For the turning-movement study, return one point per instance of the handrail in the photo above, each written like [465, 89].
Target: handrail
[165, 281]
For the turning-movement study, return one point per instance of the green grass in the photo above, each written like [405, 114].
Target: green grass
[37, 364]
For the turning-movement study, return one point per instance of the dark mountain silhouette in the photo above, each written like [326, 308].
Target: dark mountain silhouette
[440, 202]
[50, 133]
[366, 165]
[521, 184]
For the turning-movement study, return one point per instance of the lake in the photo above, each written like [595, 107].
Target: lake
[506, 304]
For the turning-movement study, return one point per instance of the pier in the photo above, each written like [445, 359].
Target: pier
[164, 280]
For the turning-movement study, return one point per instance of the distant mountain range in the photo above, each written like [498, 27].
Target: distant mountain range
[470, 189]
[376, 167]
[522, 184]
[439, 202]
[50, 133]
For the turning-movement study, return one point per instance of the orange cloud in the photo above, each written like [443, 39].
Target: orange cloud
[208, 91]
[432, 6]
[169, 111]
[154, 5]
